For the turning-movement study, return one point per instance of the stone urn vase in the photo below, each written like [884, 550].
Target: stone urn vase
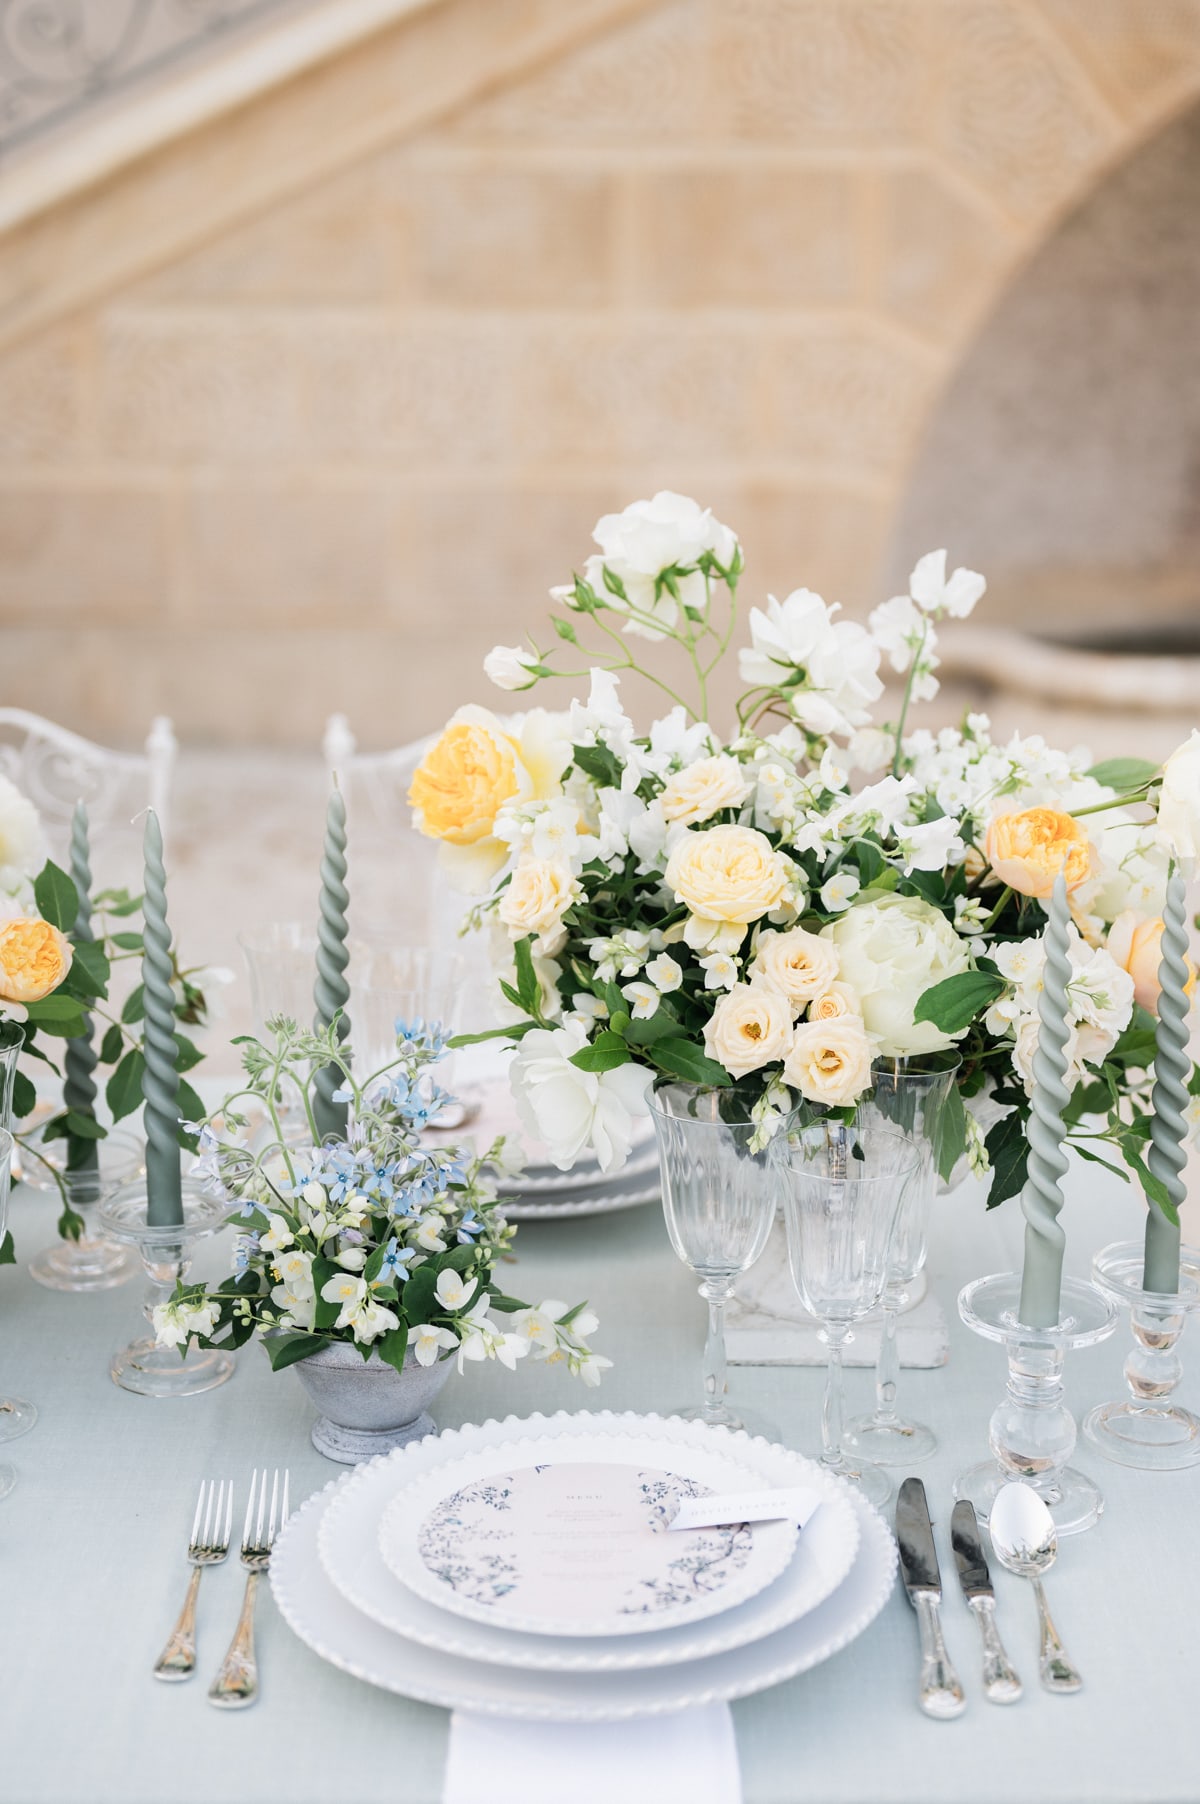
[367, 1406]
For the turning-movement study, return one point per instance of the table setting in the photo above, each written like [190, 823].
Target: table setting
[423, 1415]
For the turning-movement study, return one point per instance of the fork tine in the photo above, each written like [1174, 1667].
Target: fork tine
[249, 1510]
[199, 1513]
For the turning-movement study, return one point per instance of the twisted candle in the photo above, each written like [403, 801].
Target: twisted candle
[331, 992]
[160, 1079]
[1166, 1156]
[79, 1059]
[1041, 1199]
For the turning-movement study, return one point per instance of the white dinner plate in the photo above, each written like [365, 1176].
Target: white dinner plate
[322, 1618]
[569, 1534]
[348, 1547]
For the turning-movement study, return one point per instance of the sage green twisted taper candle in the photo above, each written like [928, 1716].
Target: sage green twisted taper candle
[1166, 1155]
[160, 1079]
[1041, 1199]
[331, 992]
[79, 1059]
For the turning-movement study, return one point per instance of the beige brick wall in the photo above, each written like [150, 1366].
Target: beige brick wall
[307, 413]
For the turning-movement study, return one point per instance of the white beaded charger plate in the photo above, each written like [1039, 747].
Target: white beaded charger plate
[322, 1618]
[569, 1534]
[347, 1545]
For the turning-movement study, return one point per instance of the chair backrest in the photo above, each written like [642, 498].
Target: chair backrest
[56, 768]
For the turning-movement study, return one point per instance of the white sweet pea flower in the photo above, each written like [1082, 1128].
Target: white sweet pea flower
[427, 1342]
[664, 973]
[569, 1109]
[936, 594]
[453, 1291]
[277, 1236]
[511, 667]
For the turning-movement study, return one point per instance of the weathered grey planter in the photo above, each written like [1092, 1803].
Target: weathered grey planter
[367, 1407]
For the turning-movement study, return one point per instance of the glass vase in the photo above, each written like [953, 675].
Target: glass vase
[93, 1262]
[1032, 1432]
[16, 1416]
[909, 1097]
[166, 1254]
[1146, 1428]
[719, 1203]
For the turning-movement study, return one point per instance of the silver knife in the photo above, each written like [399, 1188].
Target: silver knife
[941, 1693]
[1000, 1682]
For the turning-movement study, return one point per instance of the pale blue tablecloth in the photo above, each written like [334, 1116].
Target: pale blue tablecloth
[92, 1573]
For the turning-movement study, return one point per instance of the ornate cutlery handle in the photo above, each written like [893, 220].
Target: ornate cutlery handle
[178, 1658]
[941, 1693]
[237, 1682]
[1000, 1682]
[1057, 1672]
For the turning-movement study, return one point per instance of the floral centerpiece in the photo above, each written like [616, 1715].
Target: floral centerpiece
[381, 1243]
[55, 984]
[778, 910]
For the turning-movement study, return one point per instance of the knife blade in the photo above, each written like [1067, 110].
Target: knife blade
[1001, 1684]
[940, 1692]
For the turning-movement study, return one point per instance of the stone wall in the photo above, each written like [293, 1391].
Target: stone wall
[307, 409]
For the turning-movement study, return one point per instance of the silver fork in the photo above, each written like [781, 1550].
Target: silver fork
[237, 1682]
[207, 1546]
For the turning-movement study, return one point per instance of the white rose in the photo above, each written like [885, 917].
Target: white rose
[535, 901]
[700, 791]
[20, 833]
[890, 950]
[1179, 803]
[570, 1110]
[797, 963]
[511, 667]
[750, 1027]
[830, 1061]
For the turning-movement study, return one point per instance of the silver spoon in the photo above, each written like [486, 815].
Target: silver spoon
[1023, 1535]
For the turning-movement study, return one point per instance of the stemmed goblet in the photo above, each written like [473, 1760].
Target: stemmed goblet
[842, 1189]
[16, 1417]
[719, 1203]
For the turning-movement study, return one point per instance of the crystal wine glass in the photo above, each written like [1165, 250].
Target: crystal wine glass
[910, 1099]
[16, 1418]
[842, 1189]
[719, 1202]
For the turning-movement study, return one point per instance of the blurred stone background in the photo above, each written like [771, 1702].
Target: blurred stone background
[321, 352]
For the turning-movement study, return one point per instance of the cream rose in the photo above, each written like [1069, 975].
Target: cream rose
[1179, 803]
[830, 1061]
[799, 964]
[727, 874]
[890, 950]
[750, 1027]
[538, 896]
[1135, 943]
[700, 791]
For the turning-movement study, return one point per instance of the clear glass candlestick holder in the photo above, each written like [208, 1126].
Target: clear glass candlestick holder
[1146, 1428]
[166, 1254]
[93, 1262]
[1032, 1432]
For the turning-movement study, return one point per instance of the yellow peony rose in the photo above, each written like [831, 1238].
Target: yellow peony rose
[730, 875]
[749, 1028]
[799, 964]
[830, 1061]
[34, 959]
[538, 896]
[697, 793]
[1029, 850]
[1135, 942]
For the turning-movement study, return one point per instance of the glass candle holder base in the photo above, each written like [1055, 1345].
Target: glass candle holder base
[896, 1441]
[145, 1367]
[1031, 1432]
[83, 1265]
[1146, 1429]
[16, 1418]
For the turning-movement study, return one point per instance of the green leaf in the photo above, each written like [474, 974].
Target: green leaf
[135, 1005]
[124, 1089]
[90, 969]
[1008, 1150]
[954, 1003]
[112, 1045]
[8, 1254]
[285, 1349]
[1124, 774]
[683, 1058]
[56, 897]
